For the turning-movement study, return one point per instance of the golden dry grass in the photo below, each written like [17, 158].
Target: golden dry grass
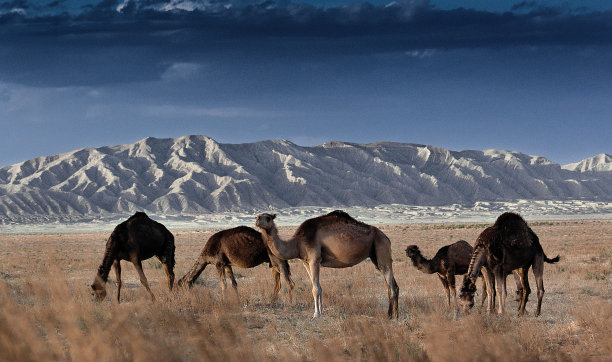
[47, 312]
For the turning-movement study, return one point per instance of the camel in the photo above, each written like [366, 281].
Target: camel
[136, 239]
[450, 260]
[242, 247]
[508, 245]
[335, 240]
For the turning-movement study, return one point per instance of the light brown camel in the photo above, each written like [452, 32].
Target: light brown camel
[508, 245]
[335, 240]
[450, 260]
[242, 247]
[136, 239]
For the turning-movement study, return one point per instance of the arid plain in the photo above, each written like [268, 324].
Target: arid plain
[47, 312]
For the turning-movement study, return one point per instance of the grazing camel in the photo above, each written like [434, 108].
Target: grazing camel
[508, 245]
[450, 260]
[335, 240]
[242, 247]
[136, 239]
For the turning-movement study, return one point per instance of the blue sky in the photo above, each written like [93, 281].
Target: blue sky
[530, 76]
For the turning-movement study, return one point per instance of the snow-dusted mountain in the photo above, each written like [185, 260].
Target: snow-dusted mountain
[194, 175]
[601, 162]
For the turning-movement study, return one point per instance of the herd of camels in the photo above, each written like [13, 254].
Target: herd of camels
[336, 240]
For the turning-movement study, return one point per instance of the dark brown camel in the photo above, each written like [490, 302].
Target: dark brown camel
[508, 245]
[335, 240]
[136, 239]
[450, 260]
[242, 247]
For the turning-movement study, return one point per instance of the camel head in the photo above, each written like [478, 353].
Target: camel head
[412, 251]
[98, 289]
[265, 221]
[467, 293]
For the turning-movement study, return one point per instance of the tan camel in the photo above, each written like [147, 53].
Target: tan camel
[508, 245]
[136, 239]
[335, 240]
[242, 247]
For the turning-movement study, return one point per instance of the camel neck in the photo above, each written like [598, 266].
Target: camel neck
[423, 264]
[109, 258]
[476, 262]
[282, 249]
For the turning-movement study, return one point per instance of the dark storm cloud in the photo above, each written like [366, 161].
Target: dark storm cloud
[138, 43]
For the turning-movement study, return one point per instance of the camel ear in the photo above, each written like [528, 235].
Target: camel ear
[273, 216]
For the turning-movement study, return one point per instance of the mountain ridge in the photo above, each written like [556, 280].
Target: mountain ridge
[194, 174]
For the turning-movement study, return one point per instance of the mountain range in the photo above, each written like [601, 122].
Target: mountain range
[194, 175]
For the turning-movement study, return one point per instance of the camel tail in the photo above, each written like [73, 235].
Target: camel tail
[553, 260]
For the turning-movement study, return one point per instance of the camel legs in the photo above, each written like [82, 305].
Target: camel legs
[117, 267]
[194, 273]
[287, 276]
[143, 279]
[500, 282]
[538, 273]
[383, 261]
[230, 274]
[451, 284]
[519, 286]
[445, 285]
[222, 281]
[316, 286]
[490, 282]
[170, 273]
[315, 267]
[484, 291]
[279, 267]
[277, 284]
[167, 260]
[393, 291]
[525, 290]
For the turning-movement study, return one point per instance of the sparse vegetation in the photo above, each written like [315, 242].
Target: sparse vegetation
[47, 312]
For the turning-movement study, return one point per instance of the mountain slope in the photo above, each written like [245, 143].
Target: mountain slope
[195, 174]
[601, 162]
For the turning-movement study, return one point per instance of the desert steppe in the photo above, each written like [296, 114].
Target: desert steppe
[47, 312]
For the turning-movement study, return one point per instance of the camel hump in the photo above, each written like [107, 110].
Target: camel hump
[509, 218]
[342, 215]
[235, 236]
[463, 243]
[514, 231]
[309, 228]
[138, 215]
[461, 247]
[240, 230]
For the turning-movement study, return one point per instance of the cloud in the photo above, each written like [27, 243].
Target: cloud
[421, 53]
[118, 42]
[181, 71]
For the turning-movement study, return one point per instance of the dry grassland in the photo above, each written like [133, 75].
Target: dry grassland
[47, 312]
